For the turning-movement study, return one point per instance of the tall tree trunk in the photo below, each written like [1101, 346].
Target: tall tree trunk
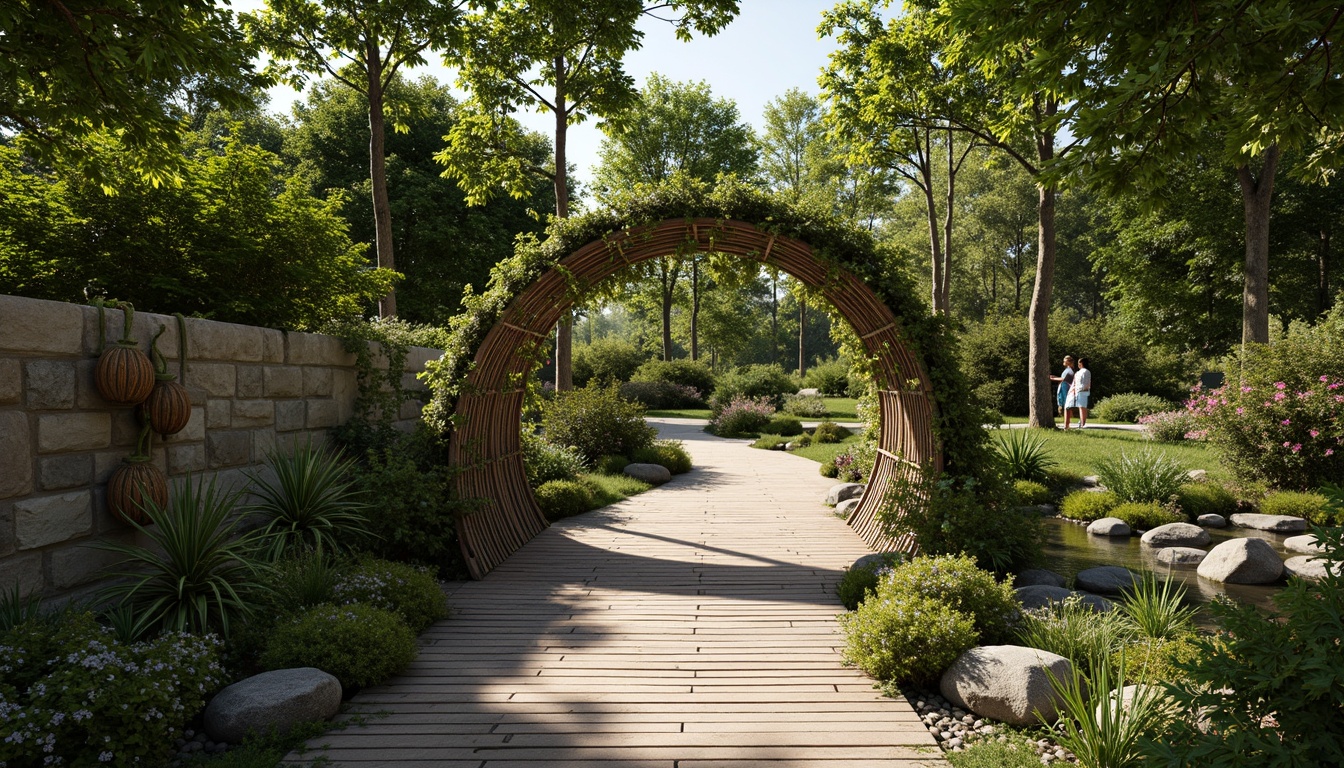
[695, 307]
[668, 285]
[1040, 397]
[382, 212]
[802, 335]
[1256, 195]
[1323, 272]
[946, 288]
[774, 316]
[564, 332]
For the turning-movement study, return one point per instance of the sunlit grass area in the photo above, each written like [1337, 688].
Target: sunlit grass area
[838, 408]
[1079, 451]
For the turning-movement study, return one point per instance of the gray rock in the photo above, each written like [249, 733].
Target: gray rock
[1308, 567]
[1041, 595]
[1212, 521]
[653, 474]
[1275, 523]
[793, 446]
[1177, 535]
[1242, 561]
[1109, 526]
[809, 392]
[1306, 544]
[1006, 682]
[1181, 557]
[1038, 576]
[280, 699]
[843, 492]
[846, 507]
[1091, 481]
[1197, 475]
[1097, 603]
[880, 558]
[1106, 579]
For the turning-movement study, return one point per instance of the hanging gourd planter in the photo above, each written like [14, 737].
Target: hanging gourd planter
[168, 408]
[124, 374]
[136, 484]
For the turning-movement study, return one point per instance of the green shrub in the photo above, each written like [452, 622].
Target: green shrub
[1280, 420]
[1157, 660]
[742, 417]
[73, 694]
[1145, 515]
[611, 464]
[1197, 499]
[907, 639]
[199, 573]
[1156, 608]
[408, 479]
[1025, 456]
[358, 644]
[300, 581]
[829, 377]
[1266, 689]
[806, 406]
[1088, 505]
[786, 425]
[855, 585]
[605, 361]
[829, 432]
[312, 502]
[959, 515]
[1074, 630]
[828, 469]
[753, 382]
[545, 461]
[1129, 406]
[1307, 505]
[956, 581]
[596, 421]
[668, 453]
[1029, 493]
[661, 395]
[559, 499]
[686, 373]
[1015, 751]
[410, 592]
[1142, 477]
[804, 439]
[856, 462]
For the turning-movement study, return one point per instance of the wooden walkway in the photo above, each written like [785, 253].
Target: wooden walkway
[692, 626]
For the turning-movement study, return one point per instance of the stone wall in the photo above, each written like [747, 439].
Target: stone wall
[252, 390]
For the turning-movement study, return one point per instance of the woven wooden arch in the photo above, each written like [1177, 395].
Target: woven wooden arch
[485, 444]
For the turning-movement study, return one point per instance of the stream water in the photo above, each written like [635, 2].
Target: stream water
[1069, 549]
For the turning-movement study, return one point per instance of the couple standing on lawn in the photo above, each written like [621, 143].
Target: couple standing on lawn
[1075, 388]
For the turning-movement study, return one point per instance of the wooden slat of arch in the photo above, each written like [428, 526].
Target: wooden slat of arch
[484, 445]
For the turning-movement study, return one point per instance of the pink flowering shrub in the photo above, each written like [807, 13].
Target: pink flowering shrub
[743, 416]
[1171, 426]
[1290, 436]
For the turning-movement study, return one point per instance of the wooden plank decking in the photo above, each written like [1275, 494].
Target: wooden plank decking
[690, 627]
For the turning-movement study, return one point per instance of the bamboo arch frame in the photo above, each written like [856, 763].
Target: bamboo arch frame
[485, 444]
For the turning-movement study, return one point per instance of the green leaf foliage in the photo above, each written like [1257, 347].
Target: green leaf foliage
[358, 644]
[1088, 505]
[559, 499]
[312, 503]
[594, 421]
[408, 591]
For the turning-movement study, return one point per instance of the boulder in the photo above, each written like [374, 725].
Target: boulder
[809, 392]
[653, 474]
[1181, 557]
[1308, 567]
[1106, 579]
[1177, 535]
[1306, 544]
[1242, 561]
[281, 699]
[793, 446]
[1091, 481]
[1211, 521]
[880, 558]
[1006, 682]
[1274, 523]
[1042, 595]
[1109, 526]
[843, 492]
[1197, 475]
[1038, 576]
[846, 507]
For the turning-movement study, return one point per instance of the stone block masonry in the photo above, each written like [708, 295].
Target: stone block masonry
[253, 390]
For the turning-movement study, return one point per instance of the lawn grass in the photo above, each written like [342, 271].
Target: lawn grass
[680, 413]
[609, 489]
[818, 452]
[1079, 451]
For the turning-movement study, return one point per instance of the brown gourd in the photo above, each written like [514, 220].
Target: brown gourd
[168, 408]
[136, 484]
[124, 374]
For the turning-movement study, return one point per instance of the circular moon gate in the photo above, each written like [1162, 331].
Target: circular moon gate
[485, 442]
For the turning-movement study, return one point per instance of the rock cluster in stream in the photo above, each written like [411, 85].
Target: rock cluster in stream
[955, 728]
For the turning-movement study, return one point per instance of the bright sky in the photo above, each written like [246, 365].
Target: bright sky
[771, 46]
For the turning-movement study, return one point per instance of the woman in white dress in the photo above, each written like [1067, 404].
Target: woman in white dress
[1080, 391]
